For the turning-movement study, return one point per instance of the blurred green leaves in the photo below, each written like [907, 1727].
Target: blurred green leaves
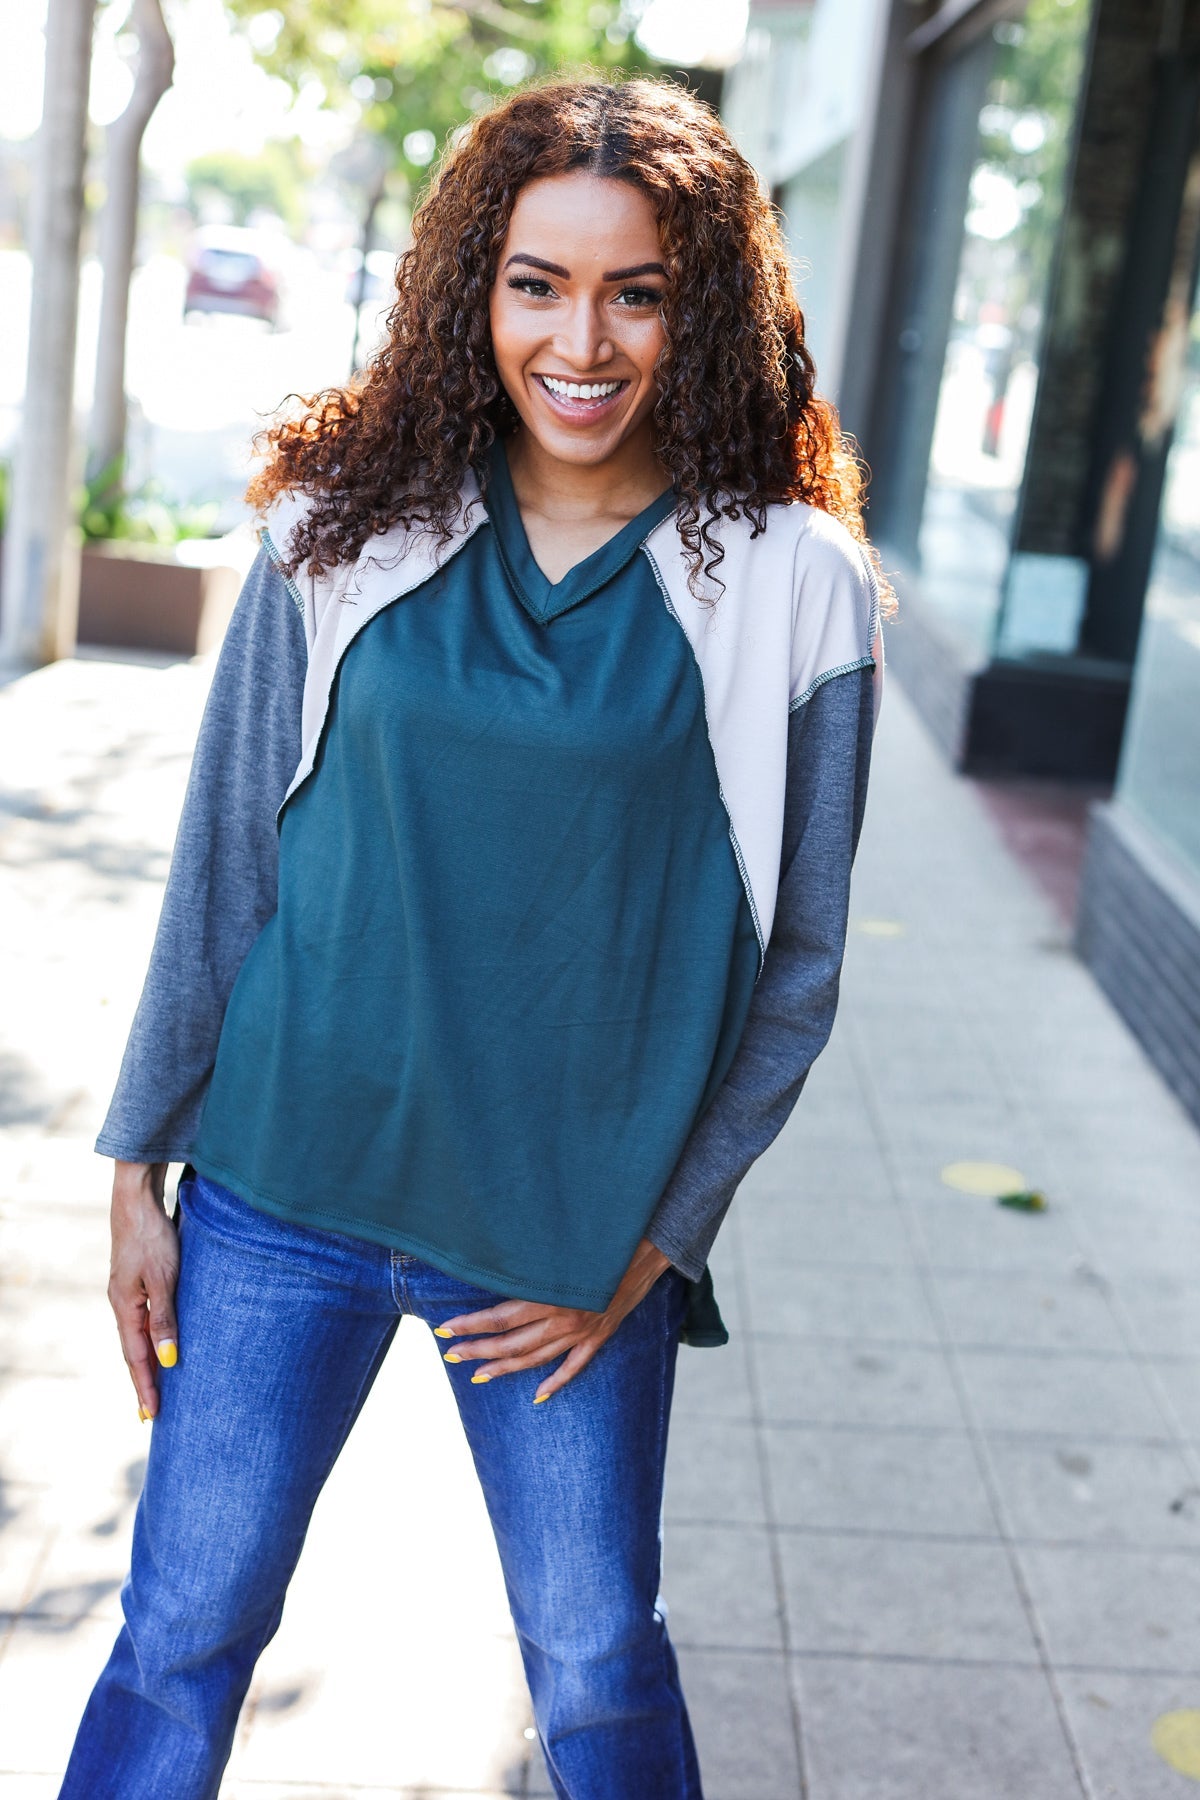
[1025, 128]
[108, 512]
[416, 69]
[272, 181]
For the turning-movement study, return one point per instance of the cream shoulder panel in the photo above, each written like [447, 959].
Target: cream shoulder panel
[338, 603]
[800, 605]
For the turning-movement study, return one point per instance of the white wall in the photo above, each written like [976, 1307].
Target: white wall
[800, 103]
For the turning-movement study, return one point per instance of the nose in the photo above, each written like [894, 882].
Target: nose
[582, 339]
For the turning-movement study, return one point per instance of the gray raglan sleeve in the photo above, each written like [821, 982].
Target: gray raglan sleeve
[223, 880]
[795, 998]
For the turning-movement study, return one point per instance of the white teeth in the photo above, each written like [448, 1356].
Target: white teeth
[581, 390]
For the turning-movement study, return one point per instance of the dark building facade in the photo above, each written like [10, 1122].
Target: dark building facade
[1020, 364]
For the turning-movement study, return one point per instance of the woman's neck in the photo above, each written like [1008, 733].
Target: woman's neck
[574, 493]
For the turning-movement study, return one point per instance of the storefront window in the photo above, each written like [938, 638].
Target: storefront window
[1030, 70]
[1160, 765]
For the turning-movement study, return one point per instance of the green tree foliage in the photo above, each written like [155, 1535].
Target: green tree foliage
[417, 69]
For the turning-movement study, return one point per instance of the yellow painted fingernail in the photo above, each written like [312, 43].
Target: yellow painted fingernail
[538, 1398]
[168, 1355]
[452, 1356]
[442, 1331]
[481, 1377]
[143, 1415]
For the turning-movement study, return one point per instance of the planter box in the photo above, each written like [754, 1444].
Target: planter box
[142, 597]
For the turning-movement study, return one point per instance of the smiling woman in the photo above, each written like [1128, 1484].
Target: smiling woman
[737, 422]
[577, 345]
[593, 318]
[504, 923]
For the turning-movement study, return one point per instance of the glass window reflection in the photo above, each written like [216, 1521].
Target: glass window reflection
[1160, 765]
[990, 372]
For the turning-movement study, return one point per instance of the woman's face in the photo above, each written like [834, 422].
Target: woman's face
[576, 314]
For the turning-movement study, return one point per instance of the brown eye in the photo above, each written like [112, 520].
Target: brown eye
[532, 285]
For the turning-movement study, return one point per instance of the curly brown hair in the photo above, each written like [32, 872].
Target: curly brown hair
[737, 423]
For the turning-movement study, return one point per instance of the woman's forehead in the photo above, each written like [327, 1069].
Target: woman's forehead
[594, 213]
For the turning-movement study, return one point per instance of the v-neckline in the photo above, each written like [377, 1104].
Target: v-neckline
[542, 598]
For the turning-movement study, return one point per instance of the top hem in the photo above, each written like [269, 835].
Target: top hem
[505, 1287]
[692, 1267]
[144, 1153]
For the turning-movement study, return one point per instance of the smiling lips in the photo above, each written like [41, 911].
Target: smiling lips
[580, 398]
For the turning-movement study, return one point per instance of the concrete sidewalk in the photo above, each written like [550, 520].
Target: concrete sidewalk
[934, 1514]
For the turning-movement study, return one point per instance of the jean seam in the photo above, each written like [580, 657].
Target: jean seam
[349, 1417]
[670, 1667]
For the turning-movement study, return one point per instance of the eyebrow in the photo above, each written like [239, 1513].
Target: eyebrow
[650, 268]
[537, 262]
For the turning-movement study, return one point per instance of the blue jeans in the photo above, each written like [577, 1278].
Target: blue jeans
[573, 1488]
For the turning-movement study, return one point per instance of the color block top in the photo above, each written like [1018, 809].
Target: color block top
[513, 952]
[790, 663]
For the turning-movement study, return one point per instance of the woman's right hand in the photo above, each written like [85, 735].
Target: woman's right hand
[145, 1268]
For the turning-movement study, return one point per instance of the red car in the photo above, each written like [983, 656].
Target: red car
[230, 271]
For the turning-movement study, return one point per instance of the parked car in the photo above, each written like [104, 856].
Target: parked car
[232, 269]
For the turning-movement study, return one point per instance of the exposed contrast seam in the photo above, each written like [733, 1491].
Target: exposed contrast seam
[864, 662]
[336, 671]
[737, 848]
[273, 552]
[874, 617]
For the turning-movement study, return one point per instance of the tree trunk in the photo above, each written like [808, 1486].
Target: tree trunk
[374, 200]
[118, 231]
[41, 555]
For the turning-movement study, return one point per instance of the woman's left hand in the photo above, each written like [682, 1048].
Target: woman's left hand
[532, 1333]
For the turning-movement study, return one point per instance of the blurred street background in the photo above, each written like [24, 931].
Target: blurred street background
[933, 1517]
